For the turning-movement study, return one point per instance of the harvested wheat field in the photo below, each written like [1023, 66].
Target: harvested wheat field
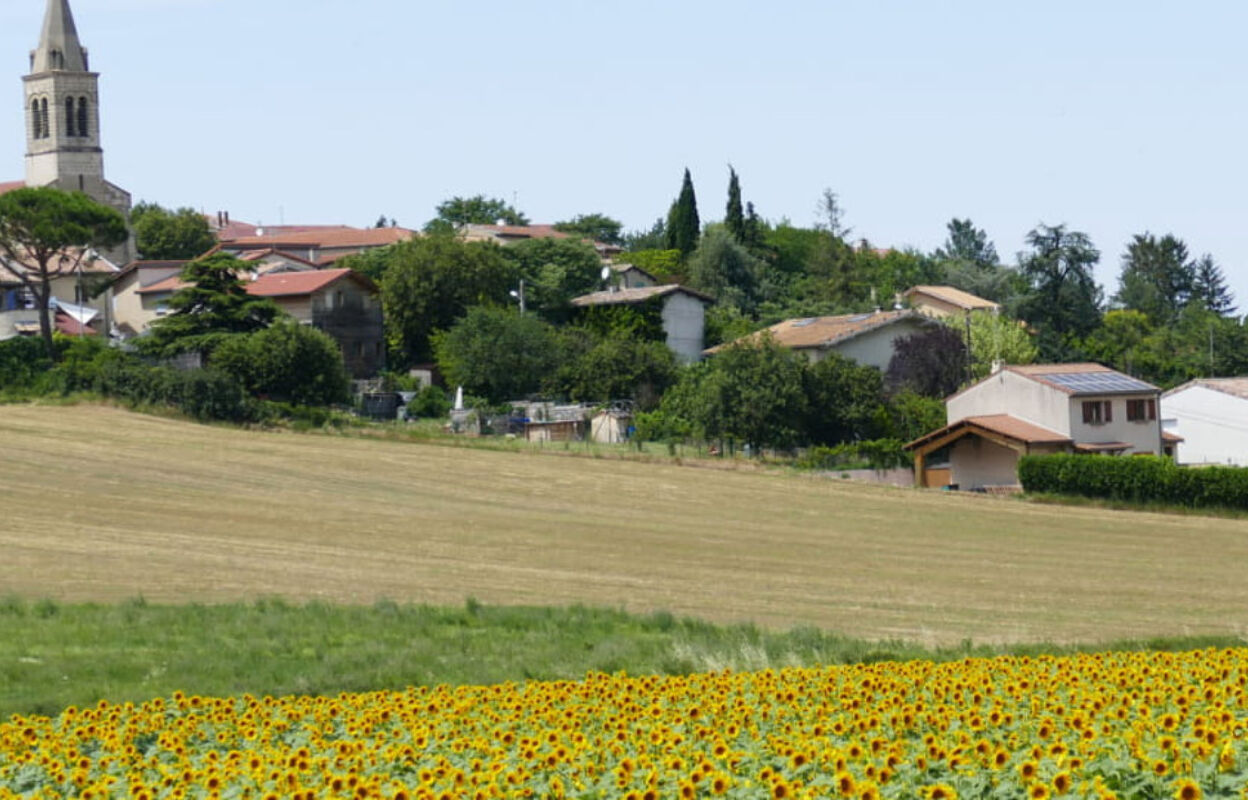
[101, 504]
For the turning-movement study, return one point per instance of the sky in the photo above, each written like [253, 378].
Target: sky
[1113, 118]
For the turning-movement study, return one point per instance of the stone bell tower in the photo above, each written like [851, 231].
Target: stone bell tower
[63, 119]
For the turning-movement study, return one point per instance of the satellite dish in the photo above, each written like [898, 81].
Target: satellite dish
[606, 273]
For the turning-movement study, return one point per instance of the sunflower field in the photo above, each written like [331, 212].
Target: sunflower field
[1129, 725]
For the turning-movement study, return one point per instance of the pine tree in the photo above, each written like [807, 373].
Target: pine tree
[683, 226]
[735, 217]
[753, 230]
[1209, 287]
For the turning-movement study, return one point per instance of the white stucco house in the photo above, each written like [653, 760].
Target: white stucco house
[1211, 415]
[867, 338]
[1036, 409]
[683, 313]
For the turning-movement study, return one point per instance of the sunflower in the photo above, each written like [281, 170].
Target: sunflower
[941, 791]
[1061, 782]
[1187, 790]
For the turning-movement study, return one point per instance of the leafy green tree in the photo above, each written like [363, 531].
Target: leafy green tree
[287, 362]
[995, 338]
[53, 233]
[1209, 287]
[430, 282]
[891, 272]
[734, 217]
[662, 264]
[683, 228]
[619, 368]
[164, 235]
[555, 270]
[1000, 284]
[750, 393]
[212, 306]
[931, 362]
[496, 353]
[912, 415]
[475, 210]
[654, 238]
[727, 323]
[1063, 301]
[596, 227]
[1158, 277]
[845, 401]
[725, 269]
[968, 245]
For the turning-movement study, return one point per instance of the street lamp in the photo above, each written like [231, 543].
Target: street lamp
[519, 295]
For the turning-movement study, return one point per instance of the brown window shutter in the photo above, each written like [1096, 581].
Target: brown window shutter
[1152, 409]
[1109, 411]
[1087, 413]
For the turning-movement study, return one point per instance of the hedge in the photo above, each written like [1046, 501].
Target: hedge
[1135, 479]
[873, 453]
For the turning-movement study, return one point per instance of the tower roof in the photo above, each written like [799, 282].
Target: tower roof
[59, 48]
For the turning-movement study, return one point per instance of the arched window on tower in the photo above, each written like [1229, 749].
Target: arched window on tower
[35, 128]
[69, 117]
[43, 118]
[83, 128]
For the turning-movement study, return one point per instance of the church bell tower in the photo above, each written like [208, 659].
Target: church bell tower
[63, 118]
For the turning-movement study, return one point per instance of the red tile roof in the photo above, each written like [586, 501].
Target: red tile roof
[170, 284]
[276, 284]
[827, 331]
[9, 186]
[324, 239]
[952, 296]
[288, 284]
[638, 295]
[1001, 424]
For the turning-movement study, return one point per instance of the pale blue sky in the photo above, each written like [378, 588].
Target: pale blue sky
[1112, 117]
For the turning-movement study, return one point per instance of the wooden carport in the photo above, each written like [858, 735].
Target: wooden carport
[1000, 429]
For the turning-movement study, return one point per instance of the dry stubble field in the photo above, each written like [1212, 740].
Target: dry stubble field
[101, 504]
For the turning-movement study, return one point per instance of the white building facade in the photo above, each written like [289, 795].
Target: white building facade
[1211, 415]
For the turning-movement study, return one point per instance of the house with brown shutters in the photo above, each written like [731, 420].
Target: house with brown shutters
[1036, 409]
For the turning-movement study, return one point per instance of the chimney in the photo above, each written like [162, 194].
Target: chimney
[227, 218]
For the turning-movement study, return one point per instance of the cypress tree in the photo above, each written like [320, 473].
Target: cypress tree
[683, 226]
[735, 217]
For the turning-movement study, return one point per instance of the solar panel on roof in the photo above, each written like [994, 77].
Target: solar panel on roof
[861, 317]
[802, 323]
[1098, 382]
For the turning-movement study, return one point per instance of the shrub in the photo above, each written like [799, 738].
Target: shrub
[431, 403]
[286, 362]
[22, 362]
[1137, 479]
[873, 453]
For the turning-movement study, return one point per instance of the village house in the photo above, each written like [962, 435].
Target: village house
[1211, 415]
[942, 302]
[683, 313]
[319, 246]
[1036, 409]
[510, 234]
[80, 298]
[341, 302]
[868, 339]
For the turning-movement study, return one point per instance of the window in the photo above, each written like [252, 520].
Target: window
[35, 121]
[82, 117]
[69, 117]
[43, 119]
[1098, 412]
[1141, 410]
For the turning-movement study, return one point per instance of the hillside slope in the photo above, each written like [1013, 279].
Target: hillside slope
[101, 504]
